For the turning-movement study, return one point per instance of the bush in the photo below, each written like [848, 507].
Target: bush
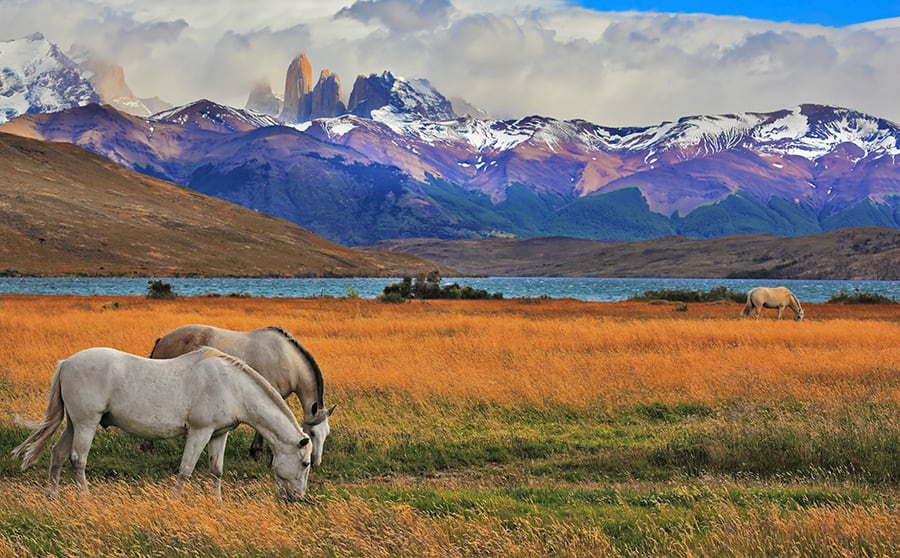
[861, 298]
[429, 287]
[160, 290]
[686, 295]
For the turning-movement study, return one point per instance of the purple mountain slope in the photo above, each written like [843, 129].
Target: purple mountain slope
[395, 173]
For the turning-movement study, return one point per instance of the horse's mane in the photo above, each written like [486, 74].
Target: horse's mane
[317, 372]
[256, 376]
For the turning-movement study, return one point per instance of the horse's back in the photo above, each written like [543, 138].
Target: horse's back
[107, 372]
[146, 397]
[182, 340]
[769, 295]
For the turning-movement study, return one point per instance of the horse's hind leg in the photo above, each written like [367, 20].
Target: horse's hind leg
[216, 451]
[61, 451]
[81, 444]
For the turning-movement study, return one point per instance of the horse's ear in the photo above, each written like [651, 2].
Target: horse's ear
[331, 410]
[303, 442]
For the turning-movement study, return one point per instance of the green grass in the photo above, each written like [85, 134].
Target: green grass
[648, 442]
[667, 473]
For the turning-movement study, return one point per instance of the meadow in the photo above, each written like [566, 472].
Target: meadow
[495, 428]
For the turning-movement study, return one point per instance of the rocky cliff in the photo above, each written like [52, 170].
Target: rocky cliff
[261, 99]
[326, 97]
[297, 89]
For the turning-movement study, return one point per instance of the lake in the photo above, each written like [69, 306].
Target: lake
[589, 289]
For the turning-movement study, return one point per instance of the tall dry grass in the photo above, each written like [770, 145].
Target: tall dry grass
[507, 352]
[401, 371]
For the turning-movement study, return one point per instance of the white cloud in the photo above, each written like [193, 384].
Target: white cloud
[511, 57]
[400, 15]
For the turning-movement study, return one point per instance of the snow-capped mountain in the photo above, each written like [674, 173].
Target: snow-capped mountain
[787, 152]
[400, 163]
[207, 115]
[35, 77]
[391, 98]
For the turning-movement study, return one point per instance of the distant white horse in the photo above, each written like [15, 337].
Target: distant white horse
[277, 356]
[202, 395]
[772, 297]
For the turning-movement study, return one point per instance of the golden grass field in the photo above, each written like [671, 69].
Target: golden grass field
[624, 394]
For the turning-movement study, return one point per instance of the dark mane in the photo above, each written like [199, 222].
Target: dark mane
[317, 372]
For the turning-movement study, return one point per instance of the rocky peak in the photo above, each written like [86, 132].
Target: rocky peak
[108, 80]
[297, 89]
[410, 98]
[326, 97]
[385, 93]
[262, 100]
[369, 93]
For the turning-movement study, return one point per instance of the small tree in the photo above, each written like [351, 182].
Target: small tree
[160, 290]
[428, 286]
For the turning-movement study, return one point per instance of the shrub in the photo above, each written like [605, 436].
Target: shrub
[686, 295]
[859, 297]
[429, 287]
[160, 290]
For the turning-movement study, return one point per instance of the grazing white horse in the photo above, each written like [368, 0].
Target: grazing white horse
[202, 396]
[772, 297]
[275, 354]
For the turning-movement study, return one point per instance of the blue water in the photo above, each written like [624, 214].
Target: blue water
[590, 289]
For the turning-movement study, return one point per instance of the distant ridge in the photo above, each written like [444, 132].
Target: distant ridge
[863, 253]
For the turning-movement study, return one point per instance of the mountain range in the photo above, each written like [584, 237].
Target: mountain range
[396, 161]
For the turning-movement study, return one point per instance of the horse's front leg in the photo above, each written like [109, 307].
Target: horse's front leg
[256, 446]
[216, 451]
[780, 311]
[194, 442]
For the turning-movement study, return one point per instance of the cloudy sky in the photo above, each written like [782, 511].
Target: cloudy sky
[617, 62]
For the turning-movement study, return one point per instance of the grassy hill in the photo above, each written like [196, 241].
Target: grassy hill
[865, 253]
[66, 211]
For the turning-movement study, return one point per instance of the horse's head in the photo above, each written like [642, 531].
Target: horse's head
[291, 469]
[798, 315]
[317, 428]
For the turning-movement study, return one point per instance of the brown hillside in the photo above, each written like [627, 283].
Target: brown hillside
[66, 211]
[865, 253]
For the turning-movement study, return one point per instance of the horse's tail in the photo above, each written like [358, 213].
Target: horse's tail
[32, 447]
[155, 345]
[747, 307]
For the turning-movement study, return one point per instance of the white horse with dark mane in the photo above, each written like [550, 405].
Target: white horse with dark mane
[275, 354]
[202, 396]
[772, 297]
